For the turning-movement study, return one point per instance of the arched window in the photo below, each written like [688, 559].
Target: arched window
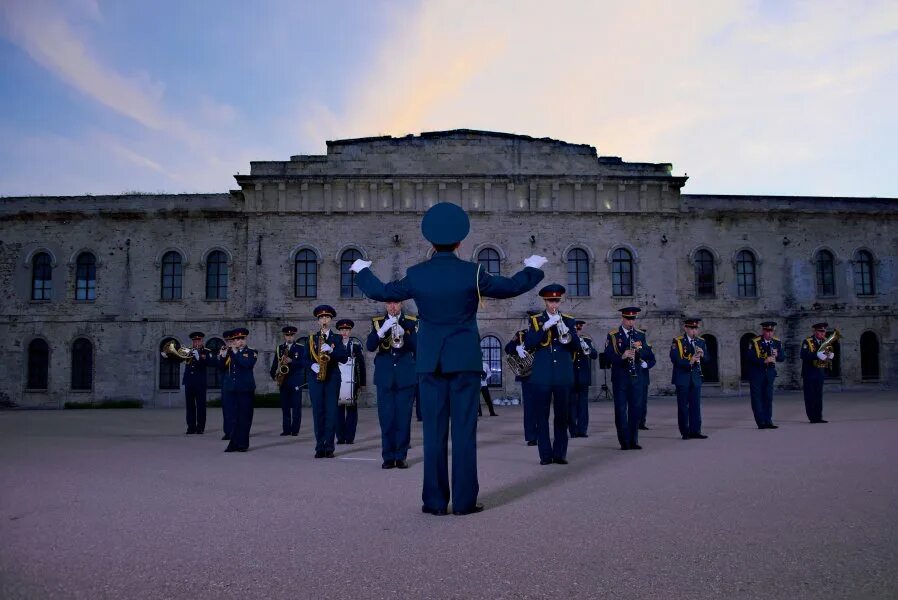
[711, 369]
[82, 365]
[746, 281]
[744, 343]
[38, 364]
[869, 356]
[826, 273]
[41, 276]
[577, 272]
[172, 276]
[86, 277]
[305, 274]
[491, 351]
[217, 276]
[704, 274]
[348, 287]
[864, 276]
[169, 369]
[213, 373]
[622, 273]
[835, 371]
[488, 258]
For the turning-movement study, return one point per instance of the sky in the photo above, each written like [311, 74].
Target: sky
[745, 96]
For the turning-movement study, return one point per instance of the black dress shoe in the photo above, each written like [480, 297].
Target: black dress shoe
[772, 426]
[434, 511]
[283, 433]
[764, 426]
[388, 464]
[200, 432]
[628, 447]
[350, 442]
[474, 509]
[242, 449]
[340, 442]
[823, 421]
[685, 437]
[229, 449]
[545, 462]
[401, 464]
[294, 433]
[560, 461]
[584, 435]
[643, 428]
[319, 455]
[492, 414]
[531, 443]
[698, 436]
[225, 438]
[635, 447]
[190, 432]
[329, 454]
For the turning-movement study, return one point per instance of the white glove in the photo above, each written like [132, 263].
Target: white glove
[388, 324]
[326, 348]
[196, 354]
[315, 368]
[359, 265]
[584, 346]
[551, 321]
[164, 355]
[644, 365]
[821, 355]
[521, 352]
[536, 261]
[830, 355]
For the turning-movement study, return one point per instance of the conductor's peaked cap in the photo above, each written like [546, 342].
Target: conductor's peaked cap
[445, 223]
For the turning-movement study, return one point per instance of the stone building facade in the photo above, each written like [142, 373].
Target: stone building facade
[93, 285]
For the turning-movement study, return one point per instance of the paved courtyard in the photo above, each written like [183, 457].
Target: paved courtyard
[121, 504]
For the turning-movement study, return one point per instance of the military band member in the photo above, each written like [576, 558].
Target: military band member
[650, 364]
[761, 355]
[239, 362]
[352, 375]
[629, 353]
[516, 347]
[552, 338]
[447, 291]
[815, 360]
[289, 356]
[394, 337]
[687, 353]
[194, 382]
[228, 406]
[485, 374]
[323, 376]
[578, 418]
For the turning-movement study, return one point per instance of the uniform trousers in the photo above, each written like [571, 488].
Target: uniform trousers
[394, 412]
[628, 408]
[347, 422]
[243, 420]
[555, 397]
[645, 403]
[445, 398]
[291, 408]
[689, 408]
[530, 420]
[228, 411]
[579, 410]
[324, 412]
[195, 401]
[761, 389]
[813, 394]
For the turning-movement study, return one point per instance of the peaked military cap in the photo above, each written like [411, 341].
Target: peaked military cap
[768, 324]
[227, 334]
[692, 321]
[345, 324]
[196, 335]
[630, 312]
[240, 333]
[289, 330]
[553, 290]
[579, 322]
[324, 309]
[820, 326]
[445, 223]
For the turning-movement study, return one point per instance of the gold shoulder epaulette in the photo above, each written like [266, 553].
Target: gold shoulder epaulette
[642, 331]
[679, 337]
[612, 331]
[777, 339]
[567, 316]
[756, 338]
[378, 319]
[411, 317]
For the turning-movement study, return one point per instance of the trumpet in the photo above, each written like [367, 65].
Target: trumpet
[564, 333]
[397, 336]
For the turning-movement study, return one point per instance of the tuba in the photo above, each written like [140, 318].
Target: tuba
[283, 369]
[178, 353]
[322, 358]
[827, 346]
[520, 366]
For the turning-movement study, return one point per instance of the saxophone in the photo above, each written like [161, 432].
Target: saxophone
[323, 357]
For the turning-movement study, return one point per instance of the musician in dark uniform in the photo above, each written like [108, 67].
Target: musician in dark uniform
[761, 355]
[516, 347]
[394, 337]
[650, 364]
[352, 379]
[687, 353]
[815, 360]
[446, 290]
[194, 382]
[578, 419]
[324, 352]
[239, 362]
[228, 406]
[289, 356]
[552, 338]
[628, 352]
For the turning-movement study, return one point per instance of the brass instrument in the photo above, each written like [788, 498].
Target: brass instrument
[826, 345]
[564, 334]
[397, 336]
[323, 357]
[178, 353]
[521, 367]
[283, 369]
[699, 353]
